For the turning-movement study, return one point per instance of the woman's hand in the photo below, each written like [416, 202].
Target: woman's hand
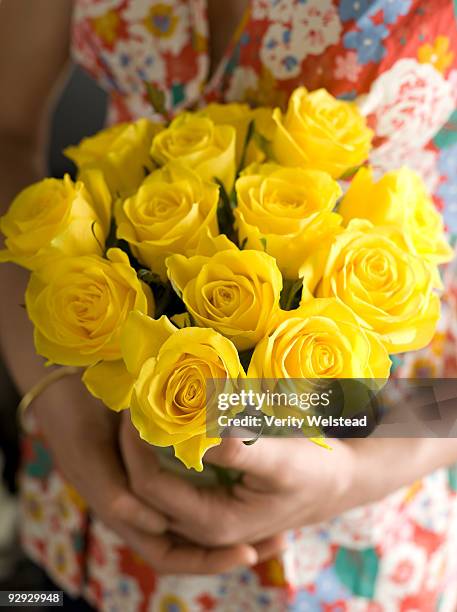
[207, 520]
[286, 484]
[83, 436]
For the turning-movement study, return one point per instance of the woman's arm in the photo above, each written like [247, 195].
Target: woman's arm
[33, 57]
[82, 434]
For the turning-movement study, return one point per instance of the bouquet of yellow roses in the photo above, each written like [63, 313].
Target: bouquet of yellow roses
[220, 246]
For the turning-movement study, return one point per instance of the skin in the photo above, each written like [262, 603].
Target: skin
[287, 483]
[223, 20]
[173, 526]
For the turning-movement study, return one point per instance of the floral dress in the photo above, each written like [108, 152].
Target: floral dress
[398, 59]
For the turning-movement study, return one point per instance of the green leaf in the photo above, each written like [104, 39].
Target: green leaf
[176, 289]
[245, 358]
[150, 278]
[225, 215]
[156, 99]
[112, 240]
[291, 294]
[163, 297]
[163, 291]
[182, 320]
[350, 173]
[247, 140]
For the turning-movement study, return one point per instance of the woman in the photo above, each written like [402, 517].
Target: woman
[112, 534]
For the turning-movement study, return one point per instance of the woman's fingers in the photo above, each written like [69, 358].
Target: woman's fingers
[84, 441]
[106, 491]
[212, 517]
[168, 556]
[139, 457]
[272, 547]
[164, 491]
[143, 527]
[125, 507]
[262, 462]
[267, 465]
[104, 485]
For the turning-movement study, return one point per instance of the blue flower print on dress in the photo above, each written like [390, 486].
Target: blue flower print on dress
[357, 9]
[368, 42]
[348, 95]
[305, 601]
[329, 587]
[393, 9]
[354, 9]
[448, 193]
[447, 162]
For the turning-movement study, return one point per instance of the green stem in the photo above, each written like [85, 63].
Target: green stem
[289, 293]
[247, 140]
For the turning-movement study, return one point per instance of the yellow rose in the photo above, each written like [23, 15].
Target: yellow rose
[259, 148]
[121, 152]
[169, 214]
[56, 217]
[265, 124]
[199, 144]
[234, 292]
[78, 306]
[171, 367]
[399, 198]
[390, 290]
[236, 115]
[239, 116]
[319, 131]
[286, 212]
[322, 339]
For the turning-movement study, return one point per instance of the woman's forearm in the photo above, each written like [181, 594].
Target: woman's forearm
[384, 465]
[19, 166]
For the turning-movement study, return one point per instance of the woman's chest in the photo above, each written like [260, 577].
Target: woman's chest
[170, 48]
